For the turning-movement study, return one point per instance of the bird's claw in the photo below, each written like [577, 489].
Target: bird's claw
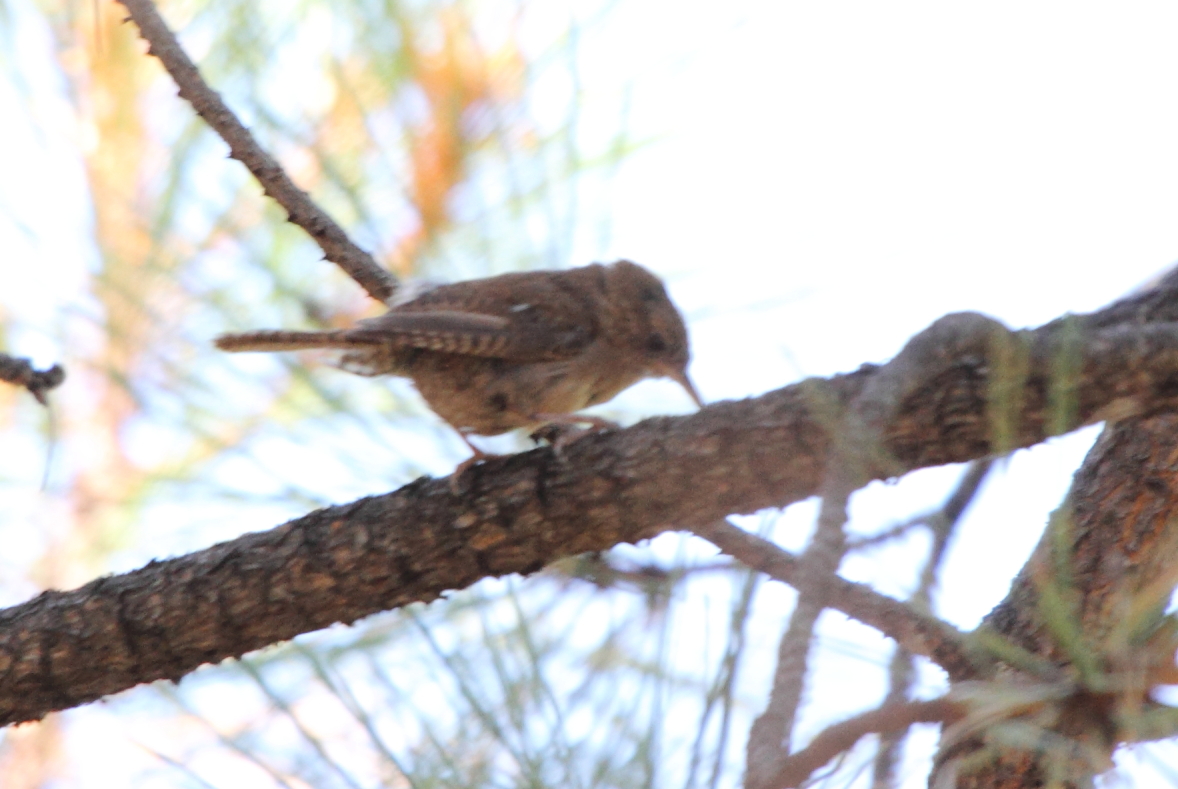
[562, 429]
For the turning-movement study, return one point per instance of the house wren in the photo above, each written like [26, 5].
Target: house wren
[517, 350]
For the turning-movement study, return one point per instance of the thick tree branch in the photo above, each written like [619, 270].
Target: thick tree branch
[302, 211]
[518, 513]
[1117, 564]
[1104, 570]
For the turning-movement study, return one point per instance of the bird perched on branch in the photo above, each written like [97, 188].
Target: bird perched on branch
[520, 350]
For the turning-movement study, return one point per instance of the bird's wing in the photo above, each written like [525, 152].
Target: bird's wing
[472, 334]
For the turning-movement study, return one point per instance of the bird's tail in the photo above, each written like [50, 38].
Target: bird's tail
[279, 340]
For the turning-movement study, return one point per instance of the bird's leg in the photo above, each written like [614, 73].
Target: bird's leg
[478, 457]
[558, 429]
[478, 453]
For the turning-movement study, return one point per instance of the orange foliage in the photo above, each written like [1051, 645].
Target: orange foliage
[457, 78]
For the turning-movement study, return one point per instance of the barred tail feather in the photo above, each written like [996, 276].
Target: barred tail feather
[279, 340]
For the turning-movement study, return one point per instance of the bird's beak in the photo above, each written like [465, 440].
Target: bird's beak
[680, 377]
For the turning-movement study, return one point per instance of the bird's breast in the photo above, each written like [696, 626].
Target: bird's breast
[493, 396]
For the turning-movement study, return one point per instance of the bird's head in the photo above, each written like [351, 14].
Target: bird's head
[650, 323]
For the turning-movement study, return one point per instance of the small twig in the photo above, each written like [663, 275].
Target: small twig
[50, 444]
[772, 731]
[887, 754]
[301, 210]
[308, 736]
[888, 719]
[21, 373]
[934, 519]
[895, 531]
[918, 632]
[606, 572]
[943, 524]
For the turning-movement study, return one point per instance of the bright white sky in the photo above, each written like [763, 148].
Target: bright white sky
[833, 176]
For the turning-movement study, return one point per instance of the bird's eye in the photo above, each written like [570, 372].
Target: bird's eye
[649, 294]
[656, 343]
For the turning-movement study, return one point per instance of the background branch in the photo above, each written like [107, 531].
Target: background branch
[22, 373]
[888, 719]
[301, 210]
[772, 731]
[922, 634]
[901, 672]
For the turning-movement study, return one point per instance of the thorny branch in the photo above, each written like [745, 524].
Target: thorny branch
[22, 373]
[302, 211]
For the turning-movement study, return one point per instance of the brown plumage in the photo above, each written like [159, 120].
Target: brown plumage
[517, 350]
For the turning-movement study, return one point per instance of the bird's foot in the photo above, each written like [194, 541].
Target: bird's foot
[560, 430]
[595, 423]
[553, 434]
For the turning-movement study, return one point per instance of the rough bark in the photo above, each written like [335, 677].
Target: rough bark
[1117, 547]
[514, 515]
[1116, 553]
